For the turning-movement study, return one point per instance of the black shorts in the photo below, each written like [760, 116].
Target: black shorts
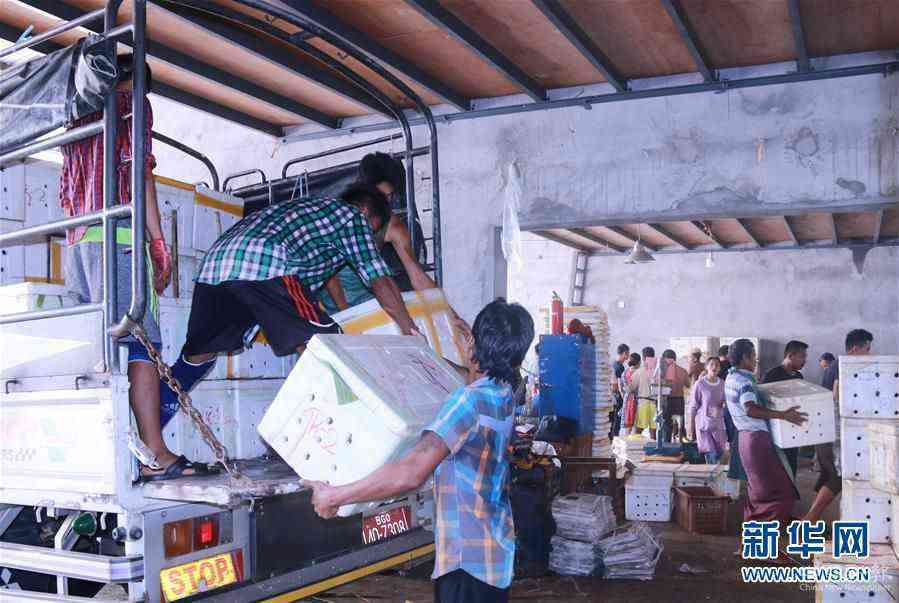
[828, 476]
[221, 315]
[461, 587]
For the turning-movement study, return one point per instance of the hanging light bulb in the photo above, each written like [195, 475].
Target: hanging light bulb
[639, 254]
[709, 261]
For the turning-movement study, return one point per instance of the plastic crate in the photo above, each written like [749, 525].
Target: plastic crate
[855, 456]
[862, 502]
[816, 401]
[647, 503]
[699, 510]
[883, 450]
[869, 387]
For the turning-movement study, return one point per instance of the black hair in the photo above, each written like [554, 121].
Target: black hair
[381, 167]
[669, 354]
[125, 64]
[724, 351]
[503, 332]
[739, 350]
[711, 358]
[828, 357]
[857, 338]
[364, 195]
[795, 347]
[697, 355]
[633, 360]
[648, 352]
[623, 348]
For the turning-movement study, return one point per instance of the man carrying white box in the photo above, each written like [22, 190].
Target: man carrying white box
[829, 485]
[466, 448]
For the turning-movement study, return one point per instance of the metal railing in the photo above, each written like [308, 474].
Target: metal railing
[335, 151]
[112, 211]
[193, 153]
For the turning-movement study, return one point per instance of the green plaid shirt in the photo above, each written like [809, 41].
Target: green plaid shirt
[309, 238]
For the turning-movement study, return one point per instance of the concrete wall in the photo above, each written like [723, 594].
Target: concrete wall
[816, 296]
[813, 143]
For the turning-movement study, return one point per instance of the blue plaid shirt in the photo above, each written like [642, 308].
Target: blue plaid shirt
[471, 486]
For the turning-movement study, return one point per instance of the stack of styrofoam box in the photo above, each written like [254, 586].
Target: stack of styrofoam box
[696, 475]
[354, 402]
[755, 342]
[869, 410]
[648, 492]
[812, 399]
[595, 318]
[24, 297]
[884, 568]
[684, 346]
[12, 218]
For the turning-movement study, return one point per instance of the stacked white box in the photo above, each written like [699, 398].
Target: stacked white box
[869, 387]
[855, 459]
[696, 475]
[816, 401]
[354, 402]
[862, 502]
[12, 259]
[684, 347]
[595, 318]
[24, 297]
[883, 441]
[884, 571]
[214, 213]
[894, 524]
[233, 410]
[648, 493]
[12, 198]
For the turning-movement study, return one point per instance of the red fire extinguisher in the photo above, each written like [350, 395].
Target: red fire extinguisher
[556, 313]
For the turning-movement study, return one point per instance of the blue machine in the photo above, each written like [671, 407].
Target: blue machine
[568, 379]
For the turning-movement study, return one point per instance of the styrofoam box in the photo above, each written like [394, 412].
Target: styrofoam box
[869, 387]
[12, 192]
[855, 459]
[23, 297]
[696, 475]
[684, 346]
[862, 502]
[812, 399]
[884, 570]
[354, 402]
[213, 216]
[42, 192]
[894, 524]
[883, 448]
[180, 201]
[646, 503]
[12, 259]
[257, 362]
[187, 272]
[430, 311]
[233, 410]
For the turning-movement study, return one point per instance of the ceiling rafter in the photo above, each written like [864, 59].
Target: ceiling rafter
[668, 235]
[571, 29]
[878, 223]
[789, 228]
[626, 235]
[802, 60]
[832, 224]
[745, 228]
[560, 240]
[691, 40]
[453, 25]
[705, 229]
[593, 238]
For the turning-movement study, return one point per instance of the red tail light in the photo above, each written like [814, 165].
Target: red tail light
[206, 532]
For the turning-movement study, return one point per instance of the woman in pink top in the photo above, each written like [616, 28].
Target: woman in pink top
[707, 408]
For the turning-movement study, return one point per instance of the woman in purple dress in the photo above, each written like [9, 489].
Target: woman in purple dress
[707, 408]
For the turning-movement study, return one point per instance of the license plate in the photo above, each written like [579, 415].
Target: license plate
[386, 524]
[197, 576]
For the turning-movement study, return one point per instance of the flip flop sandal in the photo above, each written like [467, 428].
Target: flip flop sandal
[177, 470]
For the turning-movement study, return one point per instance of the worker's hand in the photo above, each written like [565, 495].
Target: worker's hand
[162, 264]
[411, 330]
[466, 336]
[323, 498]
[795, 417]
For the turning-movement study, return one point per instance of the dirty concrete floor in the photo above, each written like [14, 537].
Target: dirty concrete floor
[712, 553]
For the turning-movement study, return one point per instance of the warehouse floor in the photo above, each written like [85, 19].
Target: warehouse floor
[711, 557]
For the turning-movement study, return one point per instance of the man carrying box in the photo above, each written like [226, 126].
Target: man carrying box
[466, 448]
[267, 270]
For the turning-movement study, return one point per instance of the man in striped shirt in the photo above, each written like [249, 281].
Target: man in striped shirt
[267, 270]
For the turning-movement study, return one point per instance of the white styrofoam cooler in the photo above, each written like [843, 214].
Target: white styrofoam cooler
[12, 259]
[12, 192]
[214, 213]
[696, 475]
[884, 570]
[647, 503]
[23, 297]
[233, 410]
[862, 502]
[869, 387]
[354, 402]
[855, 458]
[812, 399]
[430, 311]
[883, 449]
[894, 524]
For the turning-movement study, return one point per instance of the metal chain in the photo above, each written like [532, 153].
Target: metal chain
[165, 374]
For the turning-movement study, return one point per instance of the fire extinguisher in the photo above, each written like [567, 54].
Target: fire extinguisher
[556, 313]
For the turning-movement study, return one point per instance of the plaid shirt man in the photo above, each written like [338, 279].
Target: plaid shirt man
[471, 486]
[309, 238]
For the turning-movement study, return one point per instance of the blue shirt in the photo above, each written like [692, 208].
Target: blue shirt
[739, 389]
[474, 530]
